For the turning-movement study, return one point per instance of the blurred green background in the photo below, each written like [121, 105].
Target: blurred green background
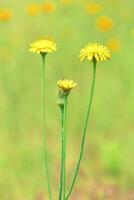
[107, 170]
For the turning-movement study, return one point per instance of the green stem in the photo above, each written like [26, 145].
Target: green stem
[44, 126]
[62, 190]
[84, 131]
[61, 172]
[64, 153]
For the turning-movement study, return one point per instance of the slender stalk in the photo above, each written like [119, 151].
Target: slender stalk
[84, 131]
[62, 190]
[64, 152]
[44, 126]
[61, 172]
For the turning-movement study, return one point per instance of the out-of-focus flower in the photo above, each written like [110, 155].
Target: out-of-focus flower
[94, 51]
[33, 9]
[104, 23]
[93, 8]
[114, 44]
[67, 33]
[43, 46]
[66, 2]
[48, 7]
[132, 32]
[5, 54]
[5, 15]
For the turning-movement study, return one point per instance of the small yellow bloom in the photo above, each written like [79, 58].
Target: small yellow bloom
[5, 14]
[94, 51]
[114, 44]
[104, 23]
[43, 46]
[48, 7]
[33, 9]
[66, 85]
[93, 8]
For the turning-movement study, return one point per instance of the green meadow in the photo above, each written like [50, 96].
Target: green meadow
[107, 168]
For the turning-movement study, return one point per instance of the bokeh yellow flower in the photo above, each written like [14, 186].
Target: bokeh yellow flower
[93, 8]
[5, 15]
[48, 7]
[5, 54]
[43, 46]
[94, 51]
[33, 9]
[104, 23]
[67, 33]
[113, 44]
[66, 2]
[66, 85]
[132, 32]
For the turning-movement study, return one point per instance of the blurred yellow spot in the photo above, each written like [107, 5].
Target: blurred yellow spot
[104, 23]
[93, 8]
[132, 32]
[5, 54]
[48, 7]
[114, 44]
[33, 9]
[5, 14]
[67, 33]
[66, 2]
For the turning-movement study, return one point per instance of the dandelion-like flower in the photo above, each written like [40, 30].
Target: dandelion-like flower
[66, 85]
[43, 46]
[94, 51]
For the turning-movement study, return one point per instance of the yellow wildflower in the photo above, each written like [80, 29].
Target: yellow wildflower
[93, 8]
[5, 14]
[33, 9]
[104, 23]
[113, 44]
[94, 51]
[43, 46]
[48, 7]
[66, 85]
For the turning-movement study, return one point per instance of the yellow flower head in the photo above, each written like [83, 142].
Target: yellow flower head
[66, 85]
[104, 23]
[94, 51]
[43, 46]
